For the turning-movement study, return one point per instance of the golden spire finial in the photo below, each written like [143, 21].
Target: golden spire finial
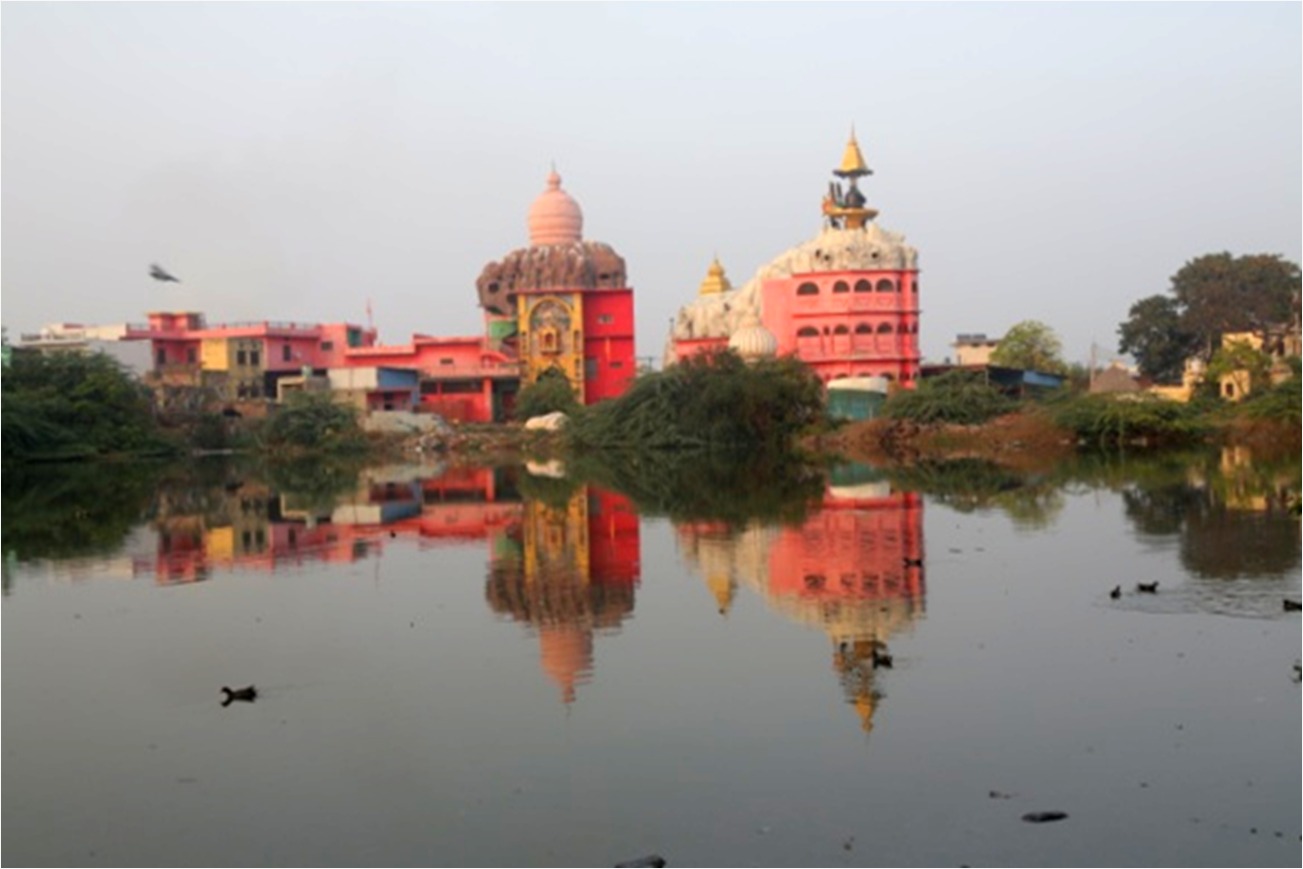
[852, 160]
[715, 281]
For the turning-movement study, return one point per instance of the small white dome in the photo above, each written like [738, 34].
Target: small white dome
[752, 340]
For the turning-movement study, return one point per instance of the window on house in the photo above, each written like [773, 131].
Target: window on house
[255, 358]
[863, 329]
[863, 286]
[842, 330]
[162, 356]
[886, 286]
[190, 355]
[616, 363]
[807, 289]
[590, 367]
[447, 360]
[327, 346]
[286, 353]
[606, 319]
[241, 358]
[884, 328]
[807, 332]
[841, 287]
[354, 337]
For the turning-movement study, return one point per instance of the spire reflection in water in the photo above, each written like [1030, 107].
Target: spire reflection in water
[852, 568]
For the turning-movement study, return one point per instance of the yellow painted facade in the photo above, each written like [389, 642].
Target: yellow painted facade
[551, 330]
[215, 354]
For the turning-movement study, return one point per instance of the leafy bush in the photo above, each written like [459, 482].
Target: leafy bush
[961, 397]
[69, 405]
[550, 393]
[313, 421]
[1116, 419]
[1280, 403]
[714, 400]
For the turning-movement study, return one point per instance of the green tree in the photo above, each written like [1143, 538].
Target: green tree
[313, 421]
[1220, 293]
[70, 405]
[1152, 333]
[1031, 345]
[550, 392]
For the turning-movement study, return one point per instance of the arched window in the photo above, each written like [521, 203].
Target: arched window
[863, 329]
[807, 289]
[807, 332]
[886, 286]
[884, 328]
[863, 286]
[841, 287]
[914, 328]
[843, 329]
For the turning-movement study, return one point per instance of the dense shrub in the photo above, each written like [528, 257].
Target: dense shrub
[1279, 403]
[960, 397]
[69, 405]
[551, 392]
[714, 400]
[311, 421]
[1118, 419]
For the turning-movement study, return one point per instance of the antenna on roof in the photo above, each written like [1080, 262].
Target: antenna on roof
[370, 324]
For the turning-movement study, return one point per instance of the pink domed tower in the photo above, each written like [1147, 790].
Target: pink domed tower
[555, 217]
[562, 305]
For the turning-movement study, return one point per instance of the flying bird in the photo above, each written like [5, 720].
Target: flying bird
[159, 274]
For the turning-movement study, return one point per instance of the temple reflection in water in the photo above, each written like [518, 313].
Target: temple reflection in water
[853, 569]
[568, 569]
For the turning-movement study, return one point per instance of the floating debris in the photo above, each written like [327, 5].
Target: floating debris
[655, 860]
[1044, 817]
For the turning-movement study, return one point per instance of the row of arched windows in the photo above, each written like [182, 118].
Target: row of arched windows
[860, 329]
[884, 285]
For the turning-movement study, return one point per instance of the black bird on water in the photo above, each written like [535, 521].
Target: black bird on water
[1147, 587]
[157, 272]
[1292, 605]
[244, 695]
[1116, 592]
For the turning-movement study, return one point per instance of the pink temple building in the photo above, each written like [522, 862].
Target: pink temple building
[846, 302]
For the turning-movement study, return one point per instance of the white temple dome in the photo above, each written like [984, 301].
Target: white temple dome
[753, 340]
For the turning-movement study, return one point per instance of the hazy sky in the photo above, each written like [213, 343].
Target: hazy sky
[290, 161]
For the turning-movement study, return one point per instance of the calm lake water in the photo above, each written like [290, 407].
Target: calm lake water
[503, 667]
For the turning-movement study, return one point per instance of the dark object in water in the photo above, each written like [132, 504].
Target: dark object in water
[1116, 592]
[881, 659]
[1292, 605]
[999, 795]
[1147, 587]
[650, 860]
[244, 695]
[1044, 817]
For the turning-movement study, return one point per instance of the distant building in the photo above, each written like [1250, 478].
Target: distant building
[974, 349]
[846, 302]
[111, 341]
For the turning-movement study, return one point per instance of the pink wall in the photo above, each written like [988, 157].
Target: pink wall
[855, 323]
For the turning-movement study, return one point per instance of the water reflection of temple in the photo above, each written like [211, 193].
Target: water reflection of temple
[851, 569]
[568, 569]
